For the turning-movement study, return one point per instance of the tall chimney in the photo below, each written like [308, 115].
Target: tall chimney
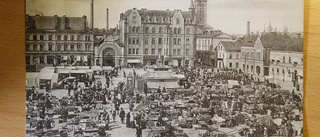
[248, 28]
[91, 12]
[107, 23]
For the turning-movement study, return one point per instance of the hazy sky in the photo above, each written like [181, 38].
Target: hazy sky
[229, 16]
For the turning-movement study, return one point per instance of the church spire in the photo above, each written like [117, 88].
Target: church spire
[191, 5]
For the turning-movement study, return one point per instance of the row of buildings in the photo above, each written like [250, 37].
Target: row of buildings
[182, 38]
[273, 57]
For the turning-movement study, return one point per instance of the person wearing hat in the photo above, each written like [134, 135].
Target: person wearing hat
[122, 115]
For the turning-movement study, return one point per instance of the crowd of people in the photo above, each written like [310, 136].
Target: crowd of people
[204, 101]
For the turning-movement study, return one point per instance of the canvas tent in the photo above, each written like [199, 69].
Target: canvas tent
[31, 79]
[45, 76]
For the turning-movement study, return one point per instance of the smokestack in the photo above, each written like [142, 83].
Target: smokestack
[91, 12]
[248, 28]
[107, 23]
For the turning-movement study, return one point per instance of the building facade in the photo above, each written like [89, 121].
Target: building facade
[55, 41]
[205, 47]
[252, 58]
[286, 65]
[149, 34]
[228, 54]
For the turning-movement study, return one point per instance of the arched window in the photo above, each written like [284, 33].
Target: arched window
[133, 29]
[177, 21]
[129, 29]
[179, 30]
[147, 19]
[258, 70]
[175, 30]
[146, 30]
[153, 30]
[188, 30]
[160, 30]
[168, 20]
[160, 19]
[154, 19]
[165, 30]
[258, 55]
[137, 29]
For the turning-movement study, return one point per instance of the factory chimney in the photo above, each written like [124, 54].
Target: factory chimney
[248, 28]
[107, 23]
[91, 12]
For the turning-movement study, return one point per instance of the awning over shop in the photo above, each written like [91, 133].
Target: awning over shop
[107, 68]
[63, 71]
[31, 79]
[175, 62]
[77, 71]
[65, 57]
[78, 58]
[96, 68]
[46, 74]
[133, 61]
[83, 67]
[85, 58]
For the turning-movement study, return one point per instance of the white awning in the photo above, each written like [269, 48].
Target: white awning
[85, 58]
[107, 68]
[96, 68]
[78, 58]
[46, 74]
[78, 71]
[65, 57]
[83, 67]
[31, 75]
[63, 71]
[133, 61]
[175, 62]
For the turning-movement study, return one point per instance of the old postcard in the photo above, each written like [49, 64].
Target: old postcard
[164, 68]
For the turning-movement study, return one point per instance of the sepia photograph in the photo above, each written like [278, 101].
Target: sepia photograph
[164, 68]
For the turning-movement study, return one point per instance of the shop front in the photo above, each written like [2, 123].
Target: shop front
[134, 63]
[150, 59]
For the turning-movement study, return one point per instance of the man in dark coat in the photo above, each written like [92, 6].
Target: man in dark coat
[69, 88]
[128, 120]
[122, 115]
[139, 131]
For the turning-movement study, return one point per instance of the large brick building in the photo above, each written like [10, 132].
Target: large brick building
[54, 41]
[148, 34]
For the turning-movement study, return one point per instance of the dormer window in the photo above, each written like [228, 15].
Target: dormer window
[168, 20]
[177, 21]
[160, 19]
[147, 19]
[134, 19]
[154, 19]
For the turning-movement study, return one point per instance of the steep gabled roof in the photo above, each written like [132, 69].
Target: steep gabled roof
[231, 46]
[249, 41]
[156, 13]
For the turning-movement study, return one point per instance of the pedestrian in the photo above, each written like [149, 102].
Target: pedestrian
[128, 119]
[139, 131]
[113, 115]
[122, 115]
[69, 88]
